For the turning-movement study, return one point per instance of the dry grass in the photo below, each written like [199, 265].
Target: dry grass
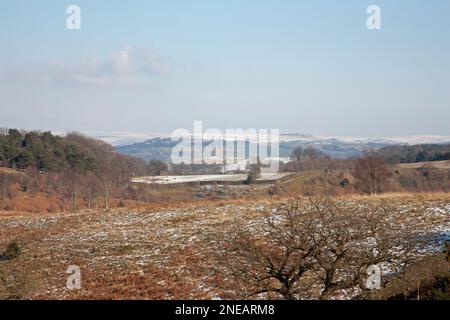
[160, 251]
[437, 164]
[10, 171]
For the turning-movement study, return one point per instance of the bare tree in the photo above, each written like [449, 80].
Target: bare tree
[315, 248]
[297, 153]
[274, 263]
[5, 182]
[355, 237]
[371, 171]
[156, 167]
[107, 180]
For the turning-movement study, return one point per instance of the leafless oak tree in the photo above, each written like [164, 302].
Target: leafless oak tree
[315, 248]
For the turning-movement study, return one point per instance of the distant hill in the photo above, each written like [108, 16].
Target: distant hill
[160, 148]
[153, 149]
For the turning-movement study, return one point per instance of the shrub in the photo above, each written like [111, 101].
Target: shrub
[12, 250]
[250, 180]
[24, 187]
[440, 290]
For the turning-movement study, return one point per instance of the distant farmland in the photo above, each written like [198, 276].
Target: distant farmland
[208, 179]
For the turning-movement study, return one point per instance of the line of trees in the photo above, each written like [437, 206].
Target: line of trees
[415, 153]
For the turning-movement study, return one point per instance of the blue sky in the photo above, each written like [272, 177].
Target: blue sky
[154, 66]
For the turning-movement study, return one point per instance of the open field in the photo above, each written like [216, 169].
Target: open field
[436, 164]
[163, 253]
[217, 178]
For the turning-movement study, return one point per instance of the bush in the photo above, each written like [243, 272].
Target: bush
[250, 180]
[427, 279]
[440, 290]
[274, 190]
[12, 250]
[24, 187]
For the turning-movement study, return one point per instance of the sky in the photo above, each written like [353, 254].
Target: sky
[310, 66]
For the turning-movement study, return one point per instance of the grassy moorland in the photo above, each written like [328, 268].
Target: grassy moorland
[162, 253]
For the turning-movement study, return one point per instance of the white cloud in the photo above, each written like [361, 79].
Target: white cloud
[124, 66]
[151, 64]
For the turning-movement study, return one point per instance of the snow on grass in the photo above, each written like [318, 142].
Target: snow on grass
[181, 242]
[205, 178]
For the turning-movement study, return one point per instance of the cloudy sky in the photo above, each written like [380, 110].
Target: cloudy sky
[153, 66]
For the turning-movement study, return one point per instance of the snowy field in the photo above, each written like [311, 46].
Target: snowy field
[205, 178]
